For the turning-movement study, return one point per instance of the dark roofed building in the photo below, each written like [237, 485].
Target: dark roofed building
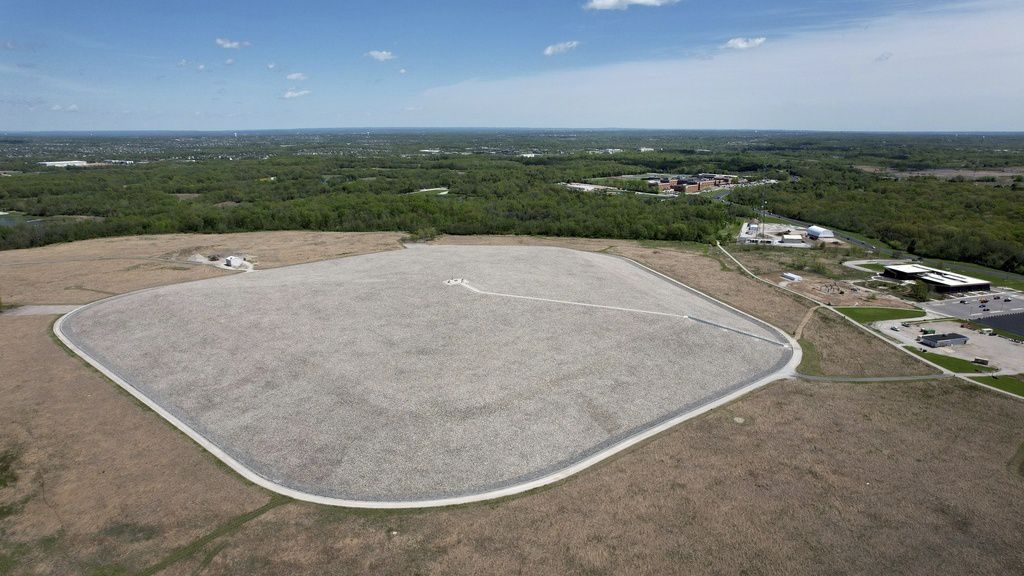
[940, 340]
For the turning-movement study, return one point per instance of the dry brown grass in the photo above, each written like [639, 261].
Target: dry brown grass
[838, 348]
[81, 272]
[100, 480]
[816, 478]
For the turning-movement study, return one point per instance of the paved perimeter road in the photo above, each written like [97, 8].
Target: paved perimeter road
[372, 379]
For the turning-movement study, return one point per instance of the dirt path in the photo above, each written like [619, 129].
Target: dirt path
[803, 323]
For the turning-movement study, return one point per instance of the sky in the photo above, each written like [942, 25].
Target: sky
[866, 65]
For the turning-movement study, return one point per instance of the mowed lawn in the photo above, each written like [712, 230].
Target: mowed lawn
[957, 365]
[1013, 384]
[869, 315]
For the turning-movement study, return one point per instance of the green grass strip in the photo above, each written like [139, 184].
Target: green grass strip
[957, 365]
[1013, 384]
[869, 315]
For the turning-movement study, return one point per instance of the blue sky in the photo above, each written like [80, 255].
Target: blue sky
[837, 64]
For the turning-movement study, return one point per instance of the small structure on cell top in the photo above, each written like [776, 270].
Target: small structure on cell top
[942, 340]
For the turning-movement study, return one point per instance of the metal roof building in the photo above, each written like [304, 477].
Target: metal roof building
[941, 340]
[941, 280]
[816, 232]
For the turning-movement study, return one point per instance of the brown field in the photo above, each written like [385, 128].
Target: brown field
[81, 272]
[1000, 174]
[796, 478]
[838, 348]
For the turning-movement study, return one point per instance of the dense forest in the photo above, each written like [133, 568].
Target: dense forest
[507, 182]
[922, 215]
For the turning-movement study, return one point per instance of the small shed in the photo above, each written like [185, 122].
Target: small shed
[233, 261]
[942, 340]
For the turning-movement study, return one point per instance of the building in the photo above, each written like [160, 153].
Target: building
[65, 164]
[792, 239]
[233, 261]
[941, 280]
[817, 233]
[792, 277]
[941, 340]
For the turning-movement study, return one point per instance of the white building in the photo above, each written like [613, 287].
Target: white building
[817, 233]
[233, 261]
[65, 164]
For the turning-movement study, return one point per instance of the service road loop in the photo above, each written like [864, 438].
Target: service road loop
[784, 369]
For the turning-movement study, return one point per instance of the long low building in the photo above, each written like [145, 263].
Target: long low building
[940, 280]
[943, 340]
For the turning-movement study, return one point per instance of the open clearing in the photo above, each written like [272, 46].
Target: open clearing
[80, 272]
[376, 379]
[796, 478]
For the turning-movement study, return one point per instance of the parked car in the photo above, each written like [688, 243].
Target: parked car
[895, 328]
[963, 301]
[983, 300]
[1007, 299]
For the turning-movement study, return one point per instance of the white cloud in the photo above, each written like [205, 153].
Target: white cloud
[293, 93]
[201, 68]
[297, 76]
[69, 108]
[381, 55]
[402, 71]
[561, 48]
[229, 62]
[271, 66]
[745, 43]
[810, 79]
[231, 44]
[623, 4]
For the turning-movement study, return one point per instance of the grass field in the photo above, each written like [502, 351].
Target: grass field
[873, 266]
[869, 315]
[1013, 384]
[953, 364]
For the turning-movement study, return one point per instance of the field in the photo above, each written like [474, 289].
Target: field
[832, 347]
[869, 315]
[796, 478]
[92, 269]
[1012, 384]
[375, 379]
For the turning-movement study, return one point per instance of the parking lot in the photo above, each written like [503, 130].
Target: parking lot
[973, 308]
[1002, 353]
